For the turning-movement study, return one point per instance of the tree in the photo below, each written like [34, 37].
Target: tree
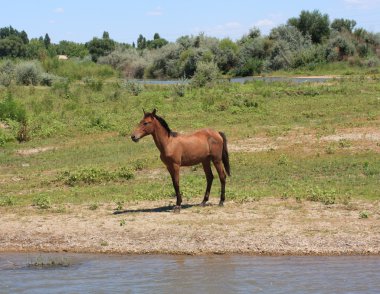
[106, 35]
[314, 23]
[12, 46]
[100, 47]
[71, 49]
[141, 42]
[340, 24]
[227, 55]
[157, 42]
[10, 31]
[47, 41]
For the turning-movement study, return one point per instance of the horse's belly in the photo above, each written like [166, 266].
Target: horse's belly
[194, 156]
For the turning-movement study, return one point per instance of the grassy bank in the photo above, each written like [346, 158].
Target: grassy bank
[79, 149]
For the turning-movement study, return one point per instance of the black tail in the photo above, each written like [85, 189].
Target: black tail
[225, 157]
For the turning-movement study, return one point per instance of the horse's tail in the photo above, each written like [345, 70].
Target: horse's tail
[225, 157]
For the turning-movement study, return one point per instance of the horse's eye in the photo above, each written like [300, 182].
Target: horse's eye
[145, 123]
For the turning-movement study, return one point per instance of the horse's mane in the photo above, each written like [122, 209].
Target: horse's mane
[164, 124]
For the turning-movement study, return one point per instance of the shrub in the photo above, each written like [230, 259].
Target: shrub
[206, 73]
[7, 201]
[28, 73]
[5, 138]
[95, 176]
[7, 72]
[249, 67]
[133, 87]
[179, 88]
[94, 84]
[339, 47]
[48, 79]
[10, 109]
[42, 202]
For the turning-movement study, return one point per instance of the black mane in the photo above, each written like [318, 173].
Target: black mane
[164, 124]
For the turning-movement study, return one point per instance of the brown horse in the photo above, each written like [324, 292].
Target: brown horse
[177, 150]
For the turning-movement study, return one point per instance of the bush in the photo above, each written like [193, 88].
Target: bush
[250, 67]
[42, 202]
[95, 176]
[7, 201]
[5, 138]
[7, 72]
[179, 89]
[206, 73]
[93, 84]
[133, 87]
[48, 79]
[28, 73]
[339, 47]
[10, 109]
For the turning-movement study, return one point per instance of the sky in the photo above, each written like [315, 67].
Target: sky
[81, 20]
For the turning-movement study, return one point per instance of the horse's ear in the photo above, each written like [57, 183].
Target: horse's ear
[154, 112]
[144, 111]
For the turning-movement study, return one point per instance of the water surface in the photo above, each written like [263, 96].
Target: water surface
[82, 273]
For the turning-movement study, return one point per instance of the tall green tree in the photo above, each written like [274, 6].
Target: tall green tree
[46, 41]
[141, 42]
[314, 23]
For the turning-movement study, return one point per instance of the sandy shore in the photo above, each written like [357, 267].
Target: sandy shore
[269, 226]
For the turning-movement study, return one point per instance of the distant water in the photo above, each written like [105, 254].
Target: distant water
[247, 79]
[82, 273]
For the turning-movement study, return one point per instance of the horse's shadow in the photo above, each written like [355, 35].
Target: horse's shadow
[167, 208]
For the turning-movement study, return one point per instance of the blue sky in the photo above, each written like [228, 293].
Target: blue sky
[80, 21]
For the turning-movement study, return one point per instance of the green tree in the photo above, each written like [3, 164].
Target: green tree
[106, 35]
[141, 42]
[340, 24]
[12, 46]
[46, 41]
[157, 42]
[314, 23]
[100, 47]
[36, 49]
[227, 55]
[71, 49]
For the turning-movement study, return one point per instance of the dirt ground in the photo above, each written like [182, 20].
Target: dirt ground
[268, 226]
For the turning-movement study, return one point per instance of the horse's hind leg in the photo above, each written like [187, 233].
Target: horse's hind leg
[222, 176]
[209, 177]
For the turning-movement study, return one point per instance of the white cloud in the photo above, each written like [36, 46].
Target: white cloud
[155, 12]
[265, 23]
[59, 10]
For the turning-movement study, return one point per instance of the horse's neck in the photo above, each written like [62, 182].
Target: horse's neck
[160, 137]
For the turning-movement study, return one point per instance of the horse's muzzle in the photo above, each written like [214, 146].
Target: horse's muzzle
[134, 138]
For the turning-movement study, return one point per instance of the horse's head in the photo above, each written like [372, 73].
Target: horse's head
[145, 127]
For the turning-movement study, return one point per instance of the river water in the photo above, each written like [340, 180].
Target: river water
[242, 80]
[88, 273]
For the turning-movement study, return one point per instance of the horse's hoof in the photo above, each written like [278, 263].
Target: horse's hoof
[221, 204]
[177, 209]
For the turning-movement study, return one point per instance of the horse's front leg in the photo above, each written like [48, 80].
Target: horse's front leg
[174, 173]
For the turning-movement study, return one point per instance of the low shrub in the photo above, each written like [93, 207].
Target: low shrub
[28, 73]
[95, 176]
[42, 201]
[133, 87]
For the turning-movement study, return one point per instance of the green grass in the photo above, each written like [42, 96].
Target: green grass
[94, 161]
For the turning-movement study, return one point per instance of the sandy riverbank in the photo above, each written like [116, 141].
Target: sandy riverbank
[269, 226]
